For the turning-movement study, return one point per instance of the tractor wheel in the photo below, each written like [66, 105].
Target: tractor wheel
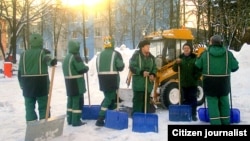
[200, 96]
[169, 94]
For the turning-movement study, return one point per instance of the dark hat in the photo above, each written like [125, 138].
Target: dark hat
[189, 45]
[143, 43]
[216, 40]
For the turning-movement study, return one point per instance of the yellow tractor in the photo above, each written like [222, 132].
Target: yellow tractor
[166, 47]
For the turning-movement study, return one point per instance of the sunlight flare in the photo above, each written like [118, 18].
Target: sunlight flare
[80, 2]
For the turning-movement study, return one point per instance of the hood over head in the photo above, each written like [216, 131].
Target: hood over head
[217, 50]
[36, 41]
[73, 46]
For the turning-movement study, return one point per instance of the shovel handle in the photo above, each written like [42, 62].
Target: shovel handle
[117, 99]
[146, 93]
[87, 77]
[179, 83]
[50, 92]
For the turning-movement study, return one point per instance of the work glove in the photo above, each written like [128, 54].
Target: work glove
[144, 73]
[53, 62]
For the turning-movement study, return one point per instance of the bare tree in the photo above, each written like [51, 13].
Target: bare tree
[56, 25]
[228, 18]
[14, 12]
[130, 20]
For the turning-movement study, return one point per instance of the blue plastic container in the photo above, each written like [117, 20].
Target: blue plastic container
[116, 119]
[145, 122]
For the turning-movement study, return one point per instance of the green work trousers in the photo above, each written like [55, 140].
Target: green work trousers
[30, 107]
[219, 110]
[108, 103]
[74, 109]
[139, 102]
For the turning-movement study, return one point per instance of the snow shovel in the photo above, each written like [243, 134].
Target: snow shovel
[145, 122]
[90, 112]
[49, 127]
[234, 117]
[180, 112]
[116, 119]
[234, 113]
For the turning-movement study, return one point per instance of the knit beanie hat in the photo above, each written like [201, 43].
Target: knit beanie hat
[108, 42]
[216, 40]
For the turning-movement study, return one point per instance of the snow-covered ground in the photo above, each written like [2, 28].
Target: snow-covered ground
[13, 125]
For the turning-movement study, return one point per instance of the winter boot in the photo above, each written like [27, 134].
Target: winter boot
[120, 100]
[194, 118]
[79, 124]
[76, 120]
[100, 121]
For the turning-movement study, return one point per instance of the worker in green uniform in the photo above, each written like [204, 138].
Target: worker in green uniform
[73, 71]
[142, 65]
[108, 64]
[33, 77]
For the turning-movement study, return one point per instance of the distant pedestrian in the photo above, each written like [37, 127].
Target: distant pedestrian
[73, 71]
[217, 63]
[189, 77]
[108, 64]
[142, 65]
[34, 78]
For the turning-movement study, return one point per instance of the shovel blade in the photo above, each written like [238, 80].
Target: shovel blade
[45, 130]
[180, 113]
[116, 120]
[145, 122]
[204, 116]
[90, 112]
[235, 115]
